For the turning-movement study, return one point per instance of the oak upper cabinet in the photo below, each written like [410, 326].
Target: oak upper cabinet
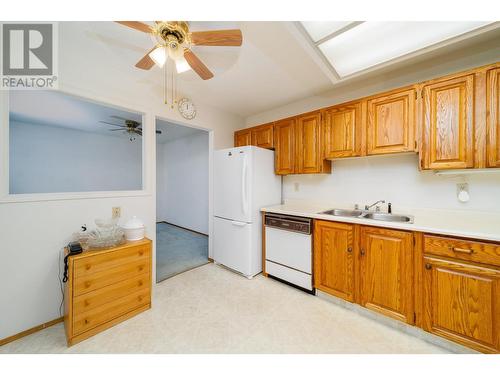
[334, 258]
[242, 138]
[448, 125]
[462, 303]
[493, 117]
[284, 146]
[309, 145]
[386, 272]
[391, 123]
[262, 136]
[342, 130]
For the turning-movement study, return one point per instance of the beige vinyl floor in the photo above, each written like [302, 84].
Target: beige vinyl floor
[212, 310]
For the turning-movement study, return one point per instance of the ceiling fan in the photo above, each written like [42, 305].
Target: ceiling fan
[174, 40]
[130, 127]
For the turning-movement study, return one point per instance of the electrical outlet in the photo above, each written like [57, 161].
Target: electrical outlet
[116, 212]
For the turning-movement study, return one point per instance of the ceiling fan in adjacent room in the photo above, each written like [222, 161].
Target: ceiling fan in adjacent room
[130, 127]
[173, 42]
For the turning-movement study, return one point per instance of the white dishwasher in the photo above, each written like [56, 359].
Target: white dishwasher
[288, 242]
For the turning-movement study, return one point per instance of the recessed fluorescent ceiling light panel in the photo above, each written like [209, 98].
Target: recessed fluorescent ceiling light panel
[317, 30]
[373, 43]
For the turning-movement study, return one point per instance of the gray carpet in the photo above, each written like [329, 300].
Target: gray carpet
[178, 250]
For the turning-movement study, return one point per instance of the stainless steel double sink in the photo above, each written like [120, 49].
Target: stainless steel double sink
[363, 214]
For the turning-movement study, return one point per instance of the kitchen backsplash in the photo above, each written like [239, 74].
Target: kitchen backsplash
[396, 179]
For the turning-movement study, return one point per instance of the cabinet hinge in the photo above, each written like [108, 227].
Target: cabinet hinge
[414, 241]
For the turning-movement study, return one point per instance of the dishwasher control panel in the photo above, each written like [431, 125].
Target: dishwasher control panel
[290, 223]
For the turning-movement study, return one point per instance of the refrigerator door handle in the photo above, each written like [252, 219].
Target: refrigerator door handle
[238, 223]
[244, 192]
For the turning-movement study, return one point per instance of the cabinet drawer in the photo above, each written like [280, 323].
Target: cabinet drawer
[89, 282]
[473, 251]
[104, 313]
[109, 293]
[106, 261]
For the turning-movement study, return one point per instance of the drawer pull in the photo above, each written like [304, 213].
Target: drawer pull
[87, 267]
[428, 266]
[87, 284]
[141, 268]
[463, 251]
[87, 303]
[141, 252]
[140, 283]
[349, 249]
[86, 321]
[362, 252]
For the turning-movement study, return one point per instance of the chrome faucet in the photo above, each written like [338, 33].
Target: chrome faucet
[367, 207]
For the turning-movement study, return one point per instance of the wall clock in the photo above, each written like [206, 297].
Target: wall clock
[187, 108]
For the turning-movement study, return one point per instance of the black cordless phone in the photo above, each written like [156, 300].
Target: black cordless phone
[74, 248]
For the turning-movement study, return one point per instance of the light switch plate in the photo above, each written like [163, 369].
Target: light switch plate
[116, 212]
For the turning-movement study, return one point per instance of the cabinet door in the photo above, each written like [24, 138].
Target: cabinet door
[262, 136]
[334, 258]
[391, 123]
[387, 273]
[343, 131]
[462, 303]
[242, 138]
[448, 109]
[493, 117]
[309, 153]
[284, 145]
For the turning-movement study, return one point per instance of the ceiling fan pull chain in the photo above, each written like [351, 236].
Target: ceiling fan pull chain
[165, 83]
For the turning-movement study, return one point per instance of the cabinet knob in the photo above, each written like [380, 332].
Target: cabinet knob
[141, 252]
[362, 252]
[87, 267]
[87, 284]
[86, 321]
[428, 266]
[349, 249]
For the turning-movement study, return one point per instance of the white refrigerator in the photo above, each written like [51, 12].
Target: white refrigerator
[244, 182]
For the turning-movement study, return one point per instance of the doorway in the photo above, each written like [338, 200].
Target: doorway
[182, 198]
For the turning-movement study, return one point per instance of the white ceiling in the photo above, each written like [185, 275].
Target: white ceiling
[273, 67]
[54, 108]
[170, 131]
[269, 69]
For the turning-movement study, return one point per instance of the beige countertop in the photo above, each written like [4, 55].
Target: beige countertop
[461, 223]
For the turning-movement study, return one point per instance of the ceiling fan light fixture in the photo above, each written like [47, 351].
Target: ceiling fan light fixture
[181, 65]
[159, 56]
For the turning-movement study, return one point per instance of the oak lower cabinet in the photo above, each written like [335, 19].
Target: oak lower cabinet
[391, 123]
[334, 258]
[461, 302]
[242, 138]
[309, 145]
[284, 146]
[106, 287]
[386, 272]
[343, 130]
[493, 117]
[448, 123]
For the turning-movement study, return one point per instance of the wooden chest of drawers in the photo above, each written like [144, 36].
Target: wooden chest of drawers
[106, 287]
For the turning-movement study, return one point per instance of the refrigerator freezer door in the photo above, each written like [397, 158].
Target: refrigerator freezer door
[233, 244]
[232, 174]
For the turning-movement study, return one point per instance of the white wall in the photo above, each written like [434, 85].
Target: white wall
[182, 182]
[396, 179]
[68, 160]
[33, 233]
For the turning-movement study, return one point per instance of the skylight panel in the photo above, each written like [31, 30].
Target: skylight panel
[318, 30]
[372, 43]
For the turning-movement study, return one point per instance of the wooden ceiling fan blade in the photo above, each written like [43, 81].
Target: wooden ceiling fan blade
[231, 37]
[197, 65]
[146, 62]
[136, 25]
